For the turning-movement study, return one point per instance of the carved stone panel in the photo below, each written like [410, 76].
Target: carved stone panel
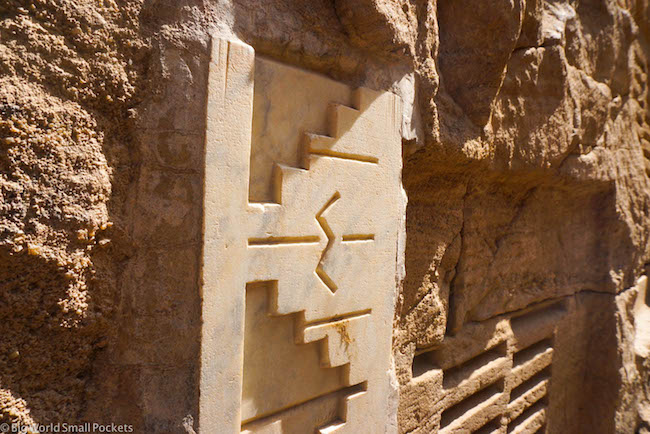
[303, 206]
[492, 377]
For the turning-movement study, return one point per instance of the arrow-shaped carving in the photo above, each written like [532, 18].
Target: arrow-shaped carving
[320, 271]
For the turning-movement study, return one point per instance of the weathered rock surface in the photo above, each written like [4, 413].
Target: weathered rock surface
[526, 163]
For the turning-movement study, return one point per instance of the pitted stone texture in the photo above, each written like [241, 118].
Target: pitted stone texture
[324, 251]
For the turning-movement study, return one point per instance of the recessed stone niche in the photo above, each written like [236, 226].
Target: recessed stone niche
[302, 210]
[491, 377]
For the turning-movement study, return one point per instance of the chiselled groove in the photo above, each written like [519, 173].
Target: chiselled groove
[529, 353]
[453, 376]
[344, 391]
[356, 390]
[347, 316]
[535, 414]
[531, 396]
[541, 377]
[274, 241]
[225, 83]
[492, 426]
[344, 156]
[358, 238]
[324, 277]
[474, 403]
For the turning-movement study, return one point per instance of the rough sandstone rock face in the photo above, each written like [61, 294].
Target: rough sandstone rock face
[482, 34]
[526, 145]
[66, 86]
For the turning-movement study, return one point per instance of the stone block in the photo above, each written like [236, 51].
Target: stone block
[298, 290]
[493, 376]
[168, 208]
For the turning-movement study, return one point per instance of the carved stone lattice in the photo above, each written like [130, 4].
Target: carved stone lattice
[310, 273]
[492, 377]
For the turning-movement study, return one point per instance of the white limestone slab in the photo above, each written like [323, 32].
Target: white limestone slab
[322, 256]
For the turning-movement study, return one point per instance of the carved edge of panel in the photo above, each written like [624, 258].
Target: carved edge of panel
[229, 114]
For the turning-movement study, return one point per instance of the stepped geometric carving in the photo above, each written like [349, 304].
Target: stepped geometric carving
[327, 245]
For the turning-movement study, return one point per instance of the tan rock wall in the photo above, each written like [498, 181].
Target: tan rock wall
[526, 145]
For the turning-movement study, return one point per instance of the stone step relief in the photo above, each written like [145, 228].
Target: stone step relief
[476, 410]
[529, 380]
[474, 389]
[266, 334]
[529, 399]
[303, 205]
[490, 377]
[310, 416]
